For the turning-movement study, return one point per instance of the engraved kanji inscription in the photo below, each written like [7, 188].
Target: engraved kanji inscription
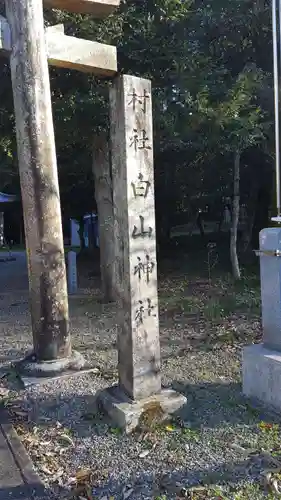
[145, 309]
[140, 187]
[139, 140]
[140, 100]
[144, 268]
[139, 312]
[137, 233]
[143, 140]
[150, 308]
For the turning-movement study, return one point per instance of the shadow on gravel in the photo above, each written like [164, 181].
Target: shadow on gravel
[214, 404]
[217, 413]
[210, 405]
[26, 492]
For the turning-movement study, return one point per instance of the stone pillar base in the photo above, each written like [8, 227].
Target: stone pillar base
[31, 367]
[125, 413]
[262, 375]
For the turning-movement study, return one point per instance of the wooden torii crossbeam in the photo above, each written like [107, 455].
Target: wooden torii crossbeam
[69, 52]
[100, 8]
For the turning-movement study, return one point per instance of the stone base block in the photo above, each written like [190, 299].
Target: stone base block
[32, 372]
[30, 369]
[262, 375]
[125, 413]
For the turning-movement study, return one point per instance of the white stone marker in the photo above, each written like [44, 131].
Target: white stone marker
[1, 229]
[135, 255]
[262, 362]
[72, 272]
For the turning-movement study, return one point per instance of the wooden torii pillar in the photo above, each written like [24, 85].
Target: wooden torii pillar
[30, 48]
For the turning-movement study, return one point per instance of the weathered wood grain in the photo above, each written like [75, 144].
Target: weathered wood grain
[82, 55]
[69, 52]
[39, 180]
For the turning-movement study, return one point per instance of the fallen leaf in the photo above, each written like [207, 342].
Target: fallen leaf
[4, 392]
[45, 470]
[71, 481]
[58, 475]
[170, 428]
[144, 453]
[83, 491]
[115, 430]
[67, 439]
[83, 475]
[95, 370]
[275, 487]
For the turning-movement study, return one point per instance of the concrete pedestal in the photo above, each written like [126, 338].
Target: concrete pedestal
[262, 375]
[126, 413]
[262, 363]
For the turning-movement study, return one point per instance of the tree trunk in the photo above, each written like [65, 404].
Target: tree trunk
[39, 180]
[235, 218]
[200, 223]
[251, 212]
[104, 200]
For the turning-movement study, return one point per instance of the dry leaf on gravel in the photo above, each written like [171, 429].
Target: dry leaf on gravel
[144, 453]
[4, 392]
[82, 484]
[83, 476]
[45, 469]
[66, 439]
[170, 428]
[83, 492]
[272, 481]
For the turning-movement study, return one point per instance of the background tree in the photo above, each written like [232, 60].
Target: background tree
[211, 69]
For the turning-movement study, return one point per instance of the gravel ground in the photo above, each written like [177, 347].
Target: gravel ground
[219, 440]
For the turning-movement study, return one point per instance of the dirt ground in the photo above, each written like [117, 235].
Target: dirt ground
[219, 447]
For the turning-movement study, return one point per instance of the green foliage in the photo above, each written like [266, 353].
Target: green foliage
[212, 95]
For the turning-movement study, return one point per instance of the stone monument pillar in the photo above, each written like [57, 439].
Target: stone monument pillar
[262, 362]
[135, 255]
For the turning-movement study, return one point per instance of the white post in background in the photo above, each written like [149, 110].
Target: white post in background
[1, 229]
[72, 272]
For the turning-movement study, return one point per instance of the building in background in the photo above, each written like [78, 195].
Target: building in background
[90, 233]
